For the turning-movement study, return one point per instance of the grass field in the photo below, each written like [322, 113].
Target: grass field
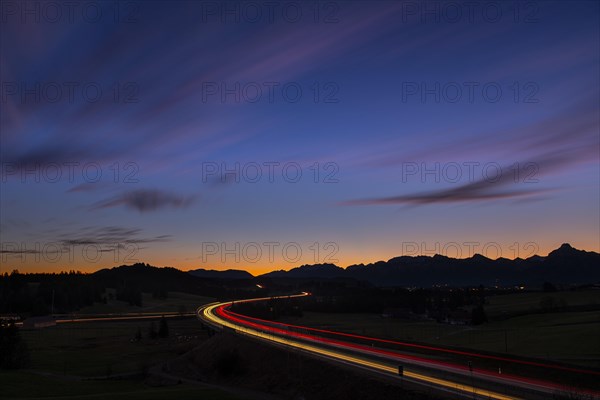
[105, 348]
[100, 359]
[509, 304]
[570, 337]
[19, 385]
[175, 302]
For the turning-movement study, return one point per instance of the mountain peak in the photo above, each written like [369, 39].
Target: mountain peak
[564, 250]
[479, 257]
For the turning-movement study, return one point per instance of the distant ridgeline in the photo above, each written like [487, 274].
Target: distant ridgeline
[219, 274]
[39, 294]
[71, 291]
[564, 265]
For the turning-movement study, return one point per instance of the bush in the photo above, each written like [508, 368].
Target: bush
[14, 353]
[152, 334]
[163, 330]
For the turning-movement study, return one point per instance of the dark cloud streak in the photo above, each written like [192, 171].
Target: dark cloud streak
[481, 190]
[145, 200]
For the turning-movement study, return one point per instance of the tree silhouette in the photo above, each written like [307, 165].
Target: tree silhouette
[163, 330]
[138, 334]
[14, 353]
[478, 315]
[152, 334]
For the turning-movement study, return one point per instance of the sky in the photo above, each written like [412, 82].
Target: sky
[266, 135]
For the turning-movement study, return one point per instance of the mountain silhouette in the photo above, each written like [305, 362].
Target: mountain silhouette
[565, 265]
[218, 274]
[308, 271]
[147, 278]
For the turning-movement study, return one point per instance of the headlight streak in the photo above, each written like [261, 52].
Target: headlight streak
[414, 345]
[210, 314]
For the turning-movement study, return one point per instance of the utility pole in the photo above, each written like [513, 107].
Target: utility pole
[401, 373]
[472, 379]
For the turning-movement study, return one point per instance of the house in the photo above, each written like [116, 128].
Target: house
[39, 322]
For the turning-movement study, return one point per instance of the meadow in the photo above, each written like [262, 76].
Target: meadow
[93, 359]
[23, 384]
[517, 326]
[175, 302]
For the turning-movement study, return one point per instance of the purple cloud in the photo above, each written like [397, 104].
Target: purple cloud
[144, 200]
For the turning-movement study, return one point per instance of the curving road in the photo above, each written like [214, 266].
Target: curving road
[440, 375]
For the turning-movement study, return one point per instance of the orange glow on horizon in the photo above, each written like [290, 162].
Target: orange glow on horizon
[31, 265]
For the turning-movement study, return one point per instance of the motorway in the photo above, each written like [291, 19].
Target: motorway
[453, 379]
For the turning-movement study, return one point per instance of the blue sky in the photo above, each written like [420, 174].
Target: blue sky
[499, 102]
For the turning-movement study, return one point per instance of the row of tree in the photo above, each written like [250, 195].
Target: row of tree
[153, 333]
[42, 294]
